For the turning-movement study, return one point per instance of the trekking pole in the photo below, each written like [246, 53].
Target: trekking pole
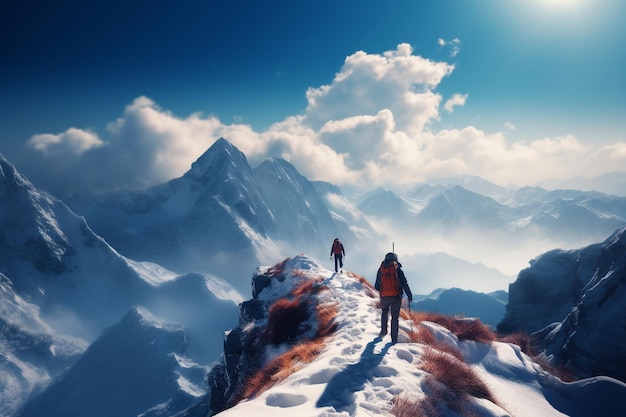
[410, 316]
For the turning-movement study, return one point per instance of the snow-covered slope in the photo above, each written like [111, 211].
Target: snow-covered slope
[358, 374]
[137, 365]
[30, 351]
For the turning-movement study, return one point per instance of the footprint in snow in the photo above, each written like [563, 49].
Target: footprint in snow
[323, 376]
[384, 371]
[404, 355]
[285, 400]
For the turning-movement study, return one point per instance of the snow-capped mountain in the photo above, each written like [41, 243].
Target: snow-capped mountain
[61, 285]
[521, 213]
[334, 363]
[221, 217]
[574, 300]
[138, 366]
[386, 204]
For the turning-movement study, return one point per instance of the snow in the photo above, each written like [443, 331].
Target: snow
[358, 374]
[152, 273]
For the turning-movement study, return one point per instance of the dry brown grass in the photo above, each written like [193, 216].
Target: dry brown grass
[326, 319]
[422, 335]
[281, 367]
[450, 382]
[308, 287]
[285, 319]
[455, 374]
[404, 406]
[449, 385]
[370, 291]
[277, 269]
[463, 328]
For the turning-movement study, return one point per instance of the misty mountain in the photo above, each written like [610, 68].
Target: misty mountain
[61, 285]
[609, 183]
[136, 365]
[32, 353]
[386, 204]
[440, 270]
[302, 221]
[575, 301]
[443, 209]
[348, 218]
[221, 217]
[471, 183]
[455, 301]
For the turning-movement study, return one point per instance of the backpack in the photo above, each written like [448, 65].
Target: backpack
[337, 246]
[389, 282]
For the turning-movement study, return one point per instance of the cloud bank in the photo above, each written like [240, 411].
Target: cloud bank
[371, 125]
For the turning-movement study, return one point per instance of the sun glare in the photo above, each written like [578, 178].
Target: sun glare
[560, 3]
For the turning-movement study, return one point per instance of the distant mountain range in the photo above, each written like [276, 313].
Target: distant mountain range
[157, 274]
[503, 214]
[489, 308]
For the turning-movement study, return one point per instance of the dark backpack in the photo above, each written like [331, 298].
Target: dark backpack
[389, 282]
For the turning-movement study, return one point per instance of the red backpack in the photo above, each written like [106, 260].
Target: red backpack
[337, 246]
[389, 283]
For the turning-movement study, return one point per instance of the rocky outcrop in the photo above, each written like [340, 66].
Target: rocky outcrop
[591, 340]
[281, 314]
[546, 291]
[574, 303]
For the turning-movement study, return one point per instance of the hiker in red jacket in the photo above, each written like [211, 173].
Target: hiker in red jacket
[391, 283]
[339, 252]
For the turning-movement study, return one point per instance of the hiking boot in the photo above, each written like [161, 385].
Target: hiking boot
[382, 333]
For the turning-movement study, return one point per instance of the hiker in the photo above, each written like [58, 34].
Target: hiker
[391, 283]
[339, 252]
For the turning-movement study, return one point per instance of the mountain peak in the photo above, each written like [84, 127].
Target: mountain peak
[220, 159]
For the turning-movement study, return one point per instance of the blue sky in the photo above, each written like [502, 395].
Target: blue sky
[103, 94]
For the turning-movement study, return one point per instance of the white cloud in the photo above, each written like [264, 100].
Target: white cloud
[74, 141]
[455, 100]
[454, 45]
[371, 125]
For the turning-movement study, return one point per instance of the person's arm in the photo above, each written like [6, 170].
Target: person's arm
[377, 283]
[343, 250]
[405, 284]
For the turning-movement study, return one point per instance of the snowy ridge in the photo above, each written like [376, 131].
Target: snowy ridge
[139, 351]
[358, 374]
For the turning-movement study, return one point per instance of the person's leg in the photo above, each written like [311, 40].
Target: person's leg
[395, 314]
[384, 315]
[336, 259]
[340, 261]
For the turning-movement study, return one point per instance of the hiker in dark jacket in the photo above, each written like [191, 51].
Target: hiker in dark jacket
[391, 283]
[339, 252]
